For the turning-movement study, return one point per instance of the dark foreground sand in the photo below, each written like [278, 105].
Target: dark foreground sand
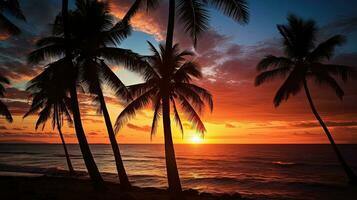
[68, 188]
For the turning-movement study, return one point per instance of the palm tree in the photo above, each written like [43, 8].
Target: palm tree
[13, 8]
[3, 108]
[63, 54]
[303, 60]
[194, 14]
[94, 40]
[165, 85]
[49, 92]
[97, 41]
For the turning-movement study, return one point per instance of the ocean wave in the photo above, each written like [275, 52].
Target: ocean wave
[20, 152]
[286, 164]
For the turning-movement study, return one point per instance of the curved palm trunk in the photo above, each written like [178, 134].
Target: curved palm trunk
[82, 140]
[69, 163]
[170, 26]
[123, 177]
[351, 176]
[171, 166]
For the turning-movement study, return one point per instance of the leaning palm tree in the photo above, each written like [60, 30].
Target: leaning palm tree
[194, 14]
[3, 108]
[11, 7]
[97, 42]
[48, 51]
[304, 60]
[94, 40]
[49, 92]
[165, 85]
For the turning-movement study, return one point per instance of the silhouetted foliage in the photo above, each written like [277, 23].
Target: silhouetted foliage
[11, 7]
[168, 84]
[3, 108]
[305, 60]
[49, 92]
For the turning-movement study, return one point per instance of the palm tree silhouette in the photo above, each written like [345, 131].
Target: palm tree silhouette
[13, 8]
[194, 14]
[164, 85]
[97, 39]
[94, 40]
[3, 108]
[60, 47]
[303, 60]
[49, 92]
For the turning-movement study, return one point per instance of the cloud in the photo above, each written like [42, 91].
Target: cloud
[33, 135]
[227, 125]
[139, 128]
[152, 23]
[343, 25]
[328, 123]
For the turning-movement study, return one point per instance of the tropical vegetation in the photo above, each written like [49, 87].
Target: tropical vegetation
[304, 59]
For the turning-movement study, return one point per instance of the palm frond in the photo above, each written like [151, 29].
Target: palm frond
[130, 110]
[193, 117]
[331, 82]
[126, 57]
[271, 74]
[44, 53]
[4, 111]
[13, 7]
[341, 71]
[52, 40]
[191, 96]
[326, 49]
[113, 82]
[117, 33]
[156, 117]
[44, 115]
[236, 9]
[177, 116]
[139, 89]
[273, 62]
[291, 86]
[194, 16]
[7, 26]
[203, 93]
[186, 71]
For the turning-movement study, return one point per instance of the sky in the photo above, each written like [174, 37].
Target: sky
[228, 53]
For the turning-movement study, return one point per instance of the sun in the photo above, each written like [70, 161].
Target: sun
[196, 139]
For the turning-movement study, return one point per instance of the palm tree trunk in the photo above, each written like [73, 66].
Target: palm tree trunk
[351, 176]
[123, 177]
[69, 163]
[82, 140]
[170, 26]
[171, 166]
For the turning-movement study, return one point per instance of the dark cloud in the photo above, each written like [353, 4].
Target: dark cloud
[227, 125]
[328, 123]
[139, 128]
[14, 93]
[33, 135]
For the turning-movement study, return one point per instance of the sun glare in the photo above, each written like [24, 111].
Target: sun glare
[196, 139]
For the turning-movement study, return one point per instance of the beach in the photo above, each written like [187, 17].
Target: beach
[69, 188]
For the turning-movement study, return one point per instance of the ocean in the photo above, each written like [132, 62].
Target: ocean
[256, 171]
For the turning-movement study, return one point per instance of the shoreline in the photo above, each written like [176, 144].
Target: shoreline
[73, 188]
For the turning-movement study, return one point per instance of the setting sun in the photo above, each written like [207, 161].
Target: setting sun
[196, 139]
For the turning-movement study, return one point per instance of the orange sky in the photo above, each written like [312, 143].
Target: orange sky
[242, 113]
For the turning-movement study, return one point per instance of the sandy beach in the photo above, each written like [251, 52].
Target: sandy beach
[71, 188]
